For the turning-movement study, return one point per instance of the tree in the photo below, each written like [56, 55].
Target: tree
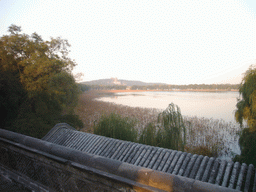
[172, 131]
[14, 29]
[36, 85]
[246, 107]
[246, 110]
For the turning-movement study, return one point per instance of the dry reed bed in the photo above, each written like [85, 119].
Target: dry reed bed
[211, 135]
[90, 110]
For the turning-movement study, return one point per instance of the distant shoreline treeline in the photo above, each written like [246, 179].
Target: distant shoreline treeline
[191, 87]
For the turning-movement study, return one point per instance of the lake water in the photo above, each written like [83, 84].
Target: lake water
[216, 105]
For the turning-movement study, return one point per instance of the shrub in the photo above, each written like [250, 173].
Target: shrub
[149, 135]
[247, 144]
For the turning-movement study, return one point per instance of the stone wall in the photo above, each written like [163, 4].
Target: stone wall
[44, 166]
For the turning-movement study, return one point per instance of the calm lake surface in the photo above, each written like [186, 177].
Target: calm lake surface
[216, 105]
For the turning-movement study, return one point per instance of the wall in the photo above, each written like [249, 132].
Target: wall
[43, 166]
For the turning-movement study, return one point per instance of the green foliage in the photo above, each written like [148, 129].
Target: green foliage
[11, 96]
[246, 107]
[247, 144]
[83, 87]
[246, 111]
[172, 132]
[149, 135]
[64, 90]
[36, 85]
[117, 127]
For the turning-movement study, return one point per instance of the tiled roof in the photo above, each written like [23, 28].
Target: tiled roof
[212, 170]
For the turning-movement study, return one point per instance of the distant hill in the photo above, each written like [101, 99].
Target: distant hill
[115, 81]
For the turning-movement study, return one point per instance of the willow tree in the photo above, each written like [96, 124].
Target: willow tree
[172, 131]
[246, 111]
[36, 77]
[246, 106]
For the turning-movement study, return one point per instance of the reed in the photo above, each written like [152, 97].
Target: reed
[90, 110]
[211, 137]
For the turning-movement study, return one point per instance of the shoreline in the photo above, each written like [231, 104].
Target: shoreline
[170, 90]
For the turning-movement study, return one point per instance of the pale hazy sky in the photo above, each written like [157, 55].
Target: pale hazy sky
[174, 41]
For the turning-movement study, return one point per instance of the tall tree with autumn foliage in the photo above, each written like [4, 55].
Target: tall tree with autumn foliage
[36, 85]
[246, 111]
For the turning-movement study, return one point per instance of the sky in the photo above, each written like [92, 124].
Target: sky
[174, 42]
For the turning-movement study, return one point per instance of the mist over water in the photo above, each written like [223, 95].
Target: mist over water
[216, 105]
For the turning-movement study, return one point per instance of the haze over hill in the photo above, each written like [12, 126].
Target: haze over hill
[122, 84]
[115, 81]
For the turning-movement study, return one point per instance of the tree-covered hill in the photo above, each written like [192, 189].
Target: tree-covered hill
[114, 83]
